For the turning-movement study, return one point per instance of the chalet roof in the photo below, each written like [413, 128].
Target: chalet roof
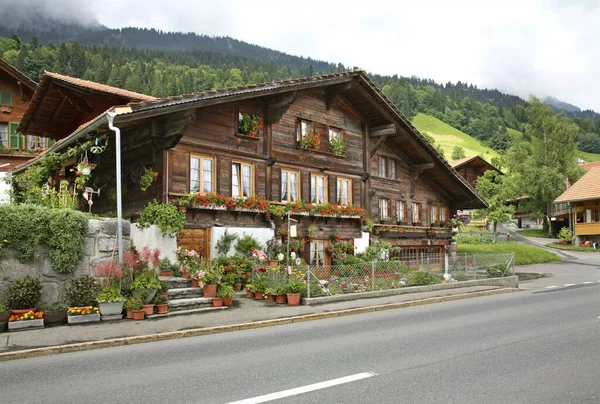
[589, 166]
[475, 161]
[357, 89]
[61, 100]
[17, 74]
[586, 188]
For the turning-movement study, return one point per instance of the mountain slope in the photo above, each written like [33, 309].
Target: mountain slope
[448, 137]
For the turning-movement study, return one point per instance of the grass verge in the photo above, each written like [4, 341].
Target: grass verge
[572, 247]
[524, 254]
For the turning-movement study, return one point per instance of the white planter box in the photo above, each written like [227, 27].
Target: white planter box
[110, 309]
[88, 318]
[209, 207]
[24, 324]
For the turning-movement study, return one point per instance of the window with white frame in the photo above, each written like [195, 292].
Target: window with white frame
[290, 184]
[416, 212]
[318, 188]
[382, 166]
[401, 211]
[442, 214]
[202, 174]
[344, 191]
[334, 133]
[385, 208]
[434, 213]
[3, 135]
[241, 179]
[392, 169]
[303, 129]
[317, 252]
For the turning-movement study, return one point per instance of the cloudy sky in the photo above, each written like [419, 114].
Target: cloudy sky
[520, 47]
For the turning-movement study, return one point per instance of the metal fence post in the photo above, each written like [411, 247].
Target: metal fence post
[513, 263]
[372, 275]
[428, 268]
[308, 280]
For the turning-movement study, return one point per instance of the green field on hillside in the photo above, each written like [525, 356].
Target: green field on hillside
[588, 157]
[514, 134]
[448, 137]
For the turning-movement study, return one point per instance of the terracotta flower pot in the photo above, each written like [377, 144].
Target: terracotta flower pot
[258, 295]
[271, 298]
[162, 308]
[210, 290]
[195, 283]
[217, 302]
[249, 294]
[293, 299]
[186, 274]
[237, 287]
[21, 311]
[138, 314]
[280, 299]
[129, 314]
[148, 309]
[228, 301]
[166, 274]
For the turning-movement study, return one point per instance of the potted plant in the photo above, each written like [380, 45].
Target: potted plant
[164, 289]
[226, 292]
[208, 276]
[85, 167]
[81, 292]
[269, 295]
[147, 281]
[217, 301]
[131, 304]
[294, 288]
[110, 301]
[280, 291]
[282, 232]
[249, 125]
[311, 233]
[160, 302]
[76, 315]
[135, 304]
[54, 314]
[311, 140]
[24, 294]
[31, 319]
[250, 290]
[165, 268]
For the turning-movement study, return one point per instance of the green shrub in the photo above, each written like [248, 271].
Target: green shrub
[81, 291]
[246, 244]
[25, 293]
[420, 278]
[26, 227]
[565, 234]
[3, 307]
[225, 290]
[225, 242]
[109, 294]
[133, 303]
[460, 277]
[159, 299]
[498, 270]
[166, 216]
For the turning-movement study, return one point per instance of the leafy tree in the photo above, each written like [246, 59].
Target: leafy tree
[493, 188]
[457, 153]
[589, 142]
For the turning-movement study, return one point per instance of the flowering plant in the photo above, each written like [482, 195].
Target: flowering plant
[82, 311]
[207, 273]
[257, 202]
[30, 315]
[337, 145]
[205, 199]
[250, 125]
[281, 231]
[312, 140]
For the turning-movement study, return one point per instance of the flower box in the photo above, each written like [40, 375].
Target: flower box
[210, 207]
[246, 137]
[247, 210]
[88, 318]
[25, 324]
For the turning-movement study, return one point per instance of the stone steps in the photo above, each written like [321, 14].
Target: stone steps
[185, 312]
[176, 283]
[184, 293]
[189, 303]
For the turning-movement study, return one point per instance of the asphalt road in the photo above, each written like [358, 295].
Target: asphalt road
[529, 347]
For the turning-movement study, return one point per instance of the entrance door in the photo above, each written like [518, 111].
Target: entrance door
[195, 239]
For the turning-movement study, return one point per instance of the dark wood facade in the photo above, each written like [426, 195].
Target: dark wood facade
[471, 168]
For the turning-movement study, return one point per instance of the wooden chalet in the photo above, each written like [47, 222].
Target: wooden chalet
[471, 168]
[16, 90]
[195, 146]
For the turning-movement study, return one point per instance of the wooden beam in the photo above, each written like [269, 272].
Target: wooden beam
[421, 167]
[166, 131]
[277, 106]
[333, 91]
[57, 109]
[383, 130]
[350, 107]
[436, 188]
[378, 144]
[78, 102]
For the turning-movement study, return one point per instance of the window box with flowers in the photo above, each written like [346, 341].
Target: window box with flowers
[312, 139]
[249, 126]
[209, 200]
[337, 141]
[86, 314]
[31, 319]
[256, 203]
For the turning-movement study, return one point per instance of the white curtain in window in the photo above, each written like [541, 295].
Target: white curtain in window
[321, 253]
[313, 189]
[321, 189]
[392, 173]
[442, 214]
[247, 178]
[338, 192]
[284, 179]
[293, 185]
[31, 142]
[194, 175]
[207, 175]
[235, 180]
[313, 253]
[382, 167]
[345, 193]
[415, 212]
[41, 142]
[400, 209]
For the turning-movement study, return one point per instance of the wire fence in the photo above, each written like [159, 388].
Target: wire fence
[327, 280]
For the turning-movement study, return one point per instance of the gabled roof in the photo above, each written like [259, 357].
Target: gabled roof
[17, 74]
[586, 188]
[589, 166]
[474, 161]
[360, 91]
[48, 115]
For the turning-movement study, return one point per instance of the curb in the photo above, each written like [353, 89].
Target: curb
[84, 346]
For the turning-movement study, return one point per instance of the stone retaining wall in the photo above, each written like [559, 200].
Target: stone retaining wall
[99, 245]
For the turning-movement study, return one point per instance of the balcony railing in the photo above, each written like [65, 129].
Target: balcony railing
[587, 229]
[560, 209]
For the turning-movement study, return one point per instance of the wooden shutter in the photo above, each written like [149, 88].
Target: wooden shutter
[276, 183]
[49, 142]
[13, 136]
[6, 98]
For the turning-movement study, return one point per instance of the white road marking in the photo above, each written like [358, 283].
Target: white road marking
[305, 389]
[569, 284]
[586, 283]
[551, 287]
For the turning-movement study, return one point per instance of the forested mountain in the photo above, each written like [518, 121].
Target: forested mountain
[163, 64]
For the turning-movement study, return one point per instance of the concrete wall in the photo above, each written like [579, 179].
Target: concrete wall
[99, 246]
[259, 233]
[152, 238]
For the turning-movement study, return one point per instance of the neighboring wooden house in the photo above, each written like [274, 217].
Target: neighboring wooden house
[16, 90]
[194, 145]
[582, 202]
[471, 168]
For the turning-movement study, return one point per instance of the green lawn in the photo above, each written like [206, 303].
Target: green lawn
[588, 157]
[524, 254]
[515, 134]
[535, 233]
[448, 137]
[572, 248]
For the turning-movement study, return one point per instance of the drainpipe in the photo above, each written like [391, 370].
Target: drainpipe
[111, 118]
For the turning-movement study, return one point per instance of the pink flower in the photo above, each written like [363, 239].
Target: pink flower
[262, 256]
[191, 253]
[255, 253]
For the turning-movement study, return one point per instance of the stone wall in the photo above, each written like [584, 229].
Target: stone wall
[99, 245]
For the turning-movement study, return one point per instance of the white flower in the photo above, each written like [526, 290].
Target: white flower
[280, 257]
[293, 255]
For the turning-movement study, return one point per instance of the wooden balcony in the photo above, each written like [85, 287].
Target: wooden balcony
[587, 229]
[560, 209]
